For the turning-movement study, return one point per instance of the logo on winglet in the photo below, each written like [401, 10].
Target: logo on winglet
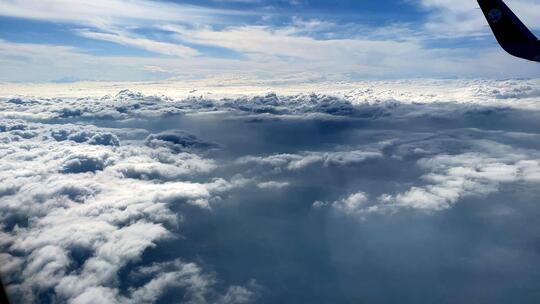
[495, 15]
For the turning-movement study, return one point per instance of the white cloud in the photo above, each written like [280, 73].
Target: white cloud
[454, 177]
[264, 53]
[352, 204]
[104, 12]
[97, 209]
[451, 178]
[404, 99]
[240, 294]
[271, 185]
[159, 47]
[178, 140]
[189, 277]
[46, 63]
[407, 55]
[464, 18]
[176, 274]
[356, 205]
[295, 162]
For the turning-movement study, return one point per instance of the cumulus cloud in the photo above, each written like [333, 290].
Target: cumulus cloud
[80, 206]
[453, 177]
[351, 205]
[83, 163]
[450, 178]
[352, 100]
[188, 276]
[161, 165]
[178, 140]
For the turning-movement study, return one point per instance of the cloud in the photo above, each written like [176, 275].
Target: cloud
[100, 12]
[463, 18]
[92, 208]
[450, 178]
[159, 165]
[351, 55]
[363, 100]
[295, 162]
[84, 163]
[190, 277]
[10, 266]
[259, 51]
[28, 62]
[164, 48]
[454, 177]
[178, 141]
[77, 216]
[351, 205]
[174, 274]
[271, 185]
[80, 135]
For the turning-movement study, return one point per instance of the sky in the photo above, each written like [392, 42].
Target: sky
[295, 41]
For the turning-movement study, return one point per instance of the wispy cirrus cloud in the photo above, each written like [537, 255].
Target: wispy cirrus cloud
[158, 47]
[103, 12]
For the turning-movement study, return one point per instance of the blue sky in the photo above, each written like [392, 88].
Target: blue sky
[299, 40]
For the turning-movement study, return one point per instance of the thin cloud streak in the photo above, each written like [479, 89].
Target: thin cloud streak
[103, 12]
[159, 47]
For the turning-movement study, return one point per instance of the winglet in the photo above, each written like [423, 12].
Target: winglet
[511, 33]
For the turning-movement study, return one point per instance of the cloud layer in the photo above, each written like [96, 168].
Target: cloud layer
[267, 198]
